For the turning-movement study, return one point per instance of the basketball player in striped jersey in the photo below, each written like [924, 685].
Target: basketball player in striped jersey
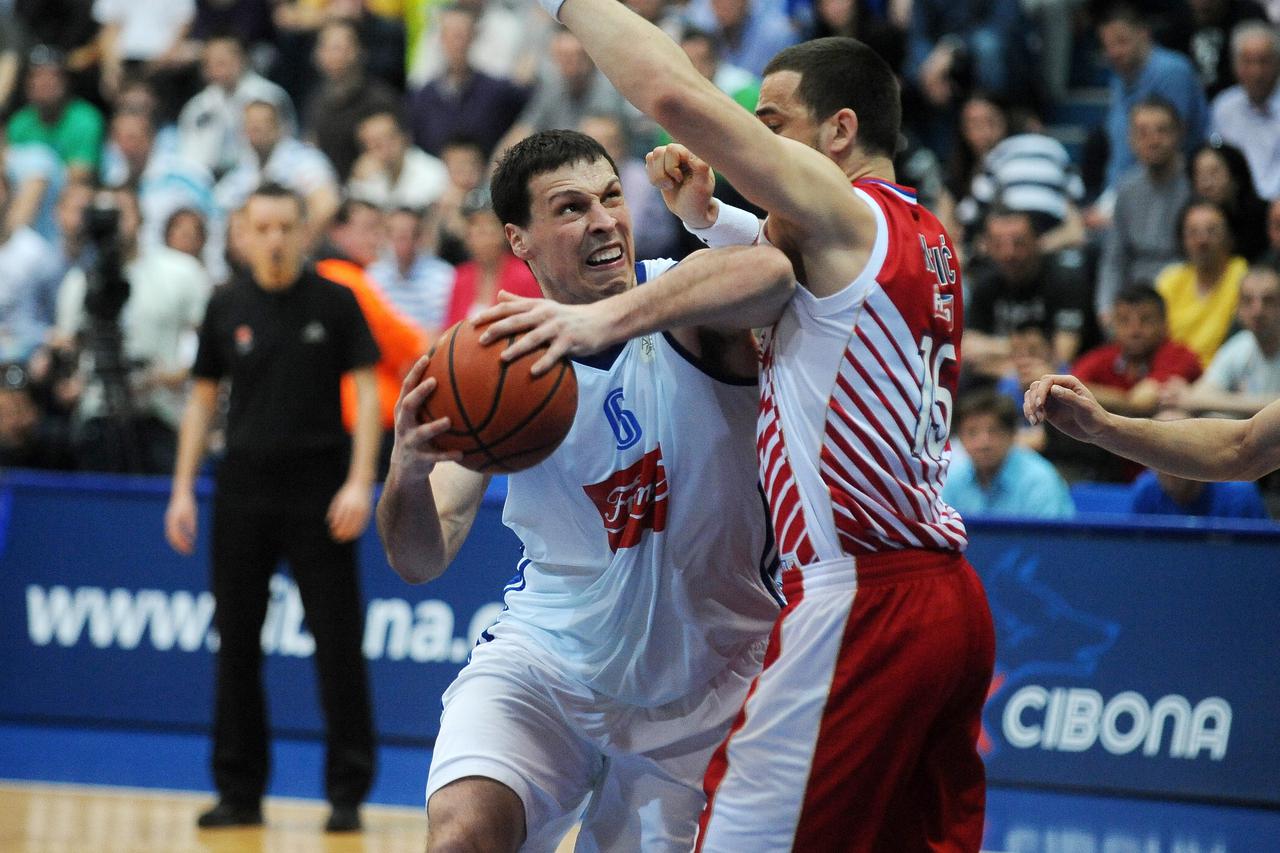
[861, 732]
[641, 608]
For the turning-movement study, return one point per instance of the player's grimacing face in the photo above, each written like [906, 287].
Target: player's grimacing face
[578, 241]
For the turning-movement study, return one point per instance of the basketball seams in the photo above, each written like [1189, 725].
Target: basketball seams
[486, 448]
[533, 414]
[483, 453]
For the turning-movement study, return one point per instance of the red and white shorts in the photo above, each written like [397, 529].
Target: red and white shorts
[861, 732]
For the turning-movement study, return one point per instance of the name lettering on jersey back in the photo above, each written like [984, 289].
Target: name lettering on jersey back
[632, 500]
[938, 260]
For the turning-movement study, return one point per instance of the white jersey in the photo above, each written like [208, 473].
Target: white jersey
[648, 559]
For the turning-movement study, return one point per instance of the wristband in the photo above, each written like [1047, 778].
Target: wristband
[733, 227]
[552, 7]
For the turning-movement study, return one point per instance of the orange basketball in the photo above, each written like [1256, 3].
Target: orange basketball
[501, 417]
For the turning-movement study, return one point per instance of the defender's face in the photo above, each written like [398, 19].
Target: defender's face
[578, 241]
[782, 111]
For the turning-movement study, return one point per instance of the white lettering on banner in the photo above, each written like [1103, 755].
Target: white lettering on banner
[119, 618]
[1084, 841]
[396, 629]
[1073, 719]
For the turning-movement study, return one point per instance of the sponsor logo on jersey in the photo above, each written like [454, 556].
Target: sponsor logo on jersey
[625, 426]
[244, 339]
[632, 500]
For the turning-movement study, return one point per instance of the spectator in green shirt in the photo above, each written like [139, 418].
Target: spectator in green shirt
[72, 127]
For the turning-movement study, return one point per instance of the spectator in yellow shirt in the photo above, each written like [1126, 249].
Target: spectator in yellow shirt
[1201, 291]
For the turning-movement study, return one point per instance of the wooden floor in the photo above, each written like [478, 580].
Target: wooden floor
[74, 819]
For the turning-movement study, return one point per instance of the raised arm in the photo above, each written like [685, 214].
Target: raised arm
[734, 288]
[1196, 448]
[428, 502]
[786, 178]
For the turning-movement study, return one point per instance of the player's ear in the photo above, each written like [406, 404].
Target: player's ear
[518, 240]
[843, 130]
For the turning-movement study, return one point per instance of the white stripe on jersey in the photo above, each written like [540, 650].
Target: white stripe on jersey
[847, 371]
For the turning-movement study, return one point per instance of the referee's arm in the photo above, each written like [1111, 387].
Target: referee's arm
[350, 510]
[193, 435]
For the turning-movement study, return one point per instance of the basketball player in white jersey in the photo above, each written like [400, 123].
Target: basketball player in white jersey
[641, 608]
[861, 732]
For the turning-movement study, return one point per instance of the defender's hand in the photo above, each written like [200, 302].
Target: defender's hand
[687, 184]
[1065, 402]
[563, 329]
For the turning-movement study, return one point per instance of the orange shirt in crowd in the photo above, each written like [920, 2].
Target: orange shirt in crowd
[399, 339]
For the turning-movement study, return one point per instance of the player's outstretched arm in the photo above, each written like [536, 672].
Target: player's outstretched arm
[735, 288]
[428, 502]
[784, 177]
[1196, 448]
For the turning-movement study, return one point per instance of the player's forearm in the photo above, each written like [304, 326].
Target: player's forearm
[735, 288]
[193, 434]
[410, 529]
[1197, 448]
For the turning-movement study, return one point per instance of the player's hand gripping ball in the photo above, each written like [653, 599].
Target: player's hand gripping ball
[502, 418]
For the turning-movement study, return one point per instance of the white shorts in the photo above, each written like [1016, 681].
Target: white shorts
[632, 775]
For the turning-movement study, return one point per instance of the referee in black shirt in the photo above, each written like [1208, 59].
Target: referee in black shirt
[292, 485]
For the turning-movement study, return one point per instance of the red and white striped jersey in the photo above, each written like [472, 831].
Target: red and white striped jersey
[857, 391]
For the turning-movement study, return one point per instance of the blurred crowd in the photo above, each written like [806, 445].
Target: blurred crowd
[1131, 239]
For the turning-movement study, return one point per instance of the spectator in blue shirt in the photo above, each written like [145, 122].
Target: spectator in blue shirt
[1141, 69]
[1155, 493]
[996, 477]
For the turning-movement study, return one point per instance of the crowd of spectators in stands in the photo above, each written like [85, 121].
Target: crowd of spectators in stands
[1144, 259]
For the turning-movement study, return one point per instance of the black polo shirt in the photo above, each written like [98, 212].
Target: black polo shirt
[285, 353]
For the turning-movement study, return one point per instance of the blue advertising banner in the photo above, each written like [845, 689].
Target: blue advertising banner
[1129, 658]
[101, 621]
[1134, 658]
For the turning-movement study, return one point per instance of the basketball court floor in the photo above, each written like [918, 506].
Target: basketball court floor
[69, 790]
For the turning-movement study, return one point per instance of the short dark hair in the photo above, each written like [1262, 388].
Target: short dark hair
[691, 33]
[349, 206]
[186, 211]
[1141, 293]
[1156, 102]
[394, 115]
[1181, 222]
[986, 401]
[230, 38]
[271, 189]
[1001, 211]
[839, 72]
[1111, 11]
[542, 152]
